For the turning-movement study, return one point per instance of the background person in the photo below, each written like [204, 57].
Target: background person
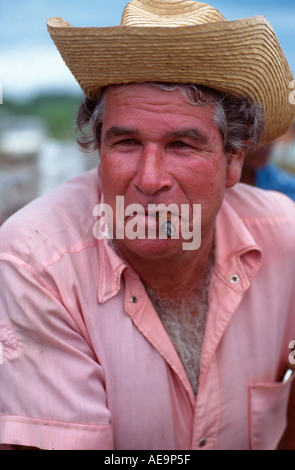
[262, 166]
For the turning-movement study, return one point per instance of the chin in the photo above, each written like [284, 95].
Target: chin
[152, 249]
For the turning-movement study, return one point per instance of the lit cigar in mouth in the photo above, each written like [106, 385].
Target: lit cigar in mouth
[167, 227]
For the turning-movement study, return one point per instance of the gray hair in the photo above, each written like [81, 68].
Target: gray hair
[239, 120]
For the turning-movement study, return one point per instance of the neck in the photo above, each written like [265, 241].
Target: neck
[174, 276]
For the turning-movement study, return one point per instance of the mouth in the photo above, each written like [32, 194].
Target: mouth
[168, 228]
[165, 223]
[156, 224]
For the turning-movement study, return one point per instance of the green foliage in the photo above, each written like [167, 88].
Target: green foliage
[57, 111]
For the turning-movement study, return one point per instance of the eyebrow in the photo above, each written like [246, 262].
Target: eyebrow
[186, 132]
[191, 133]
[118, 131]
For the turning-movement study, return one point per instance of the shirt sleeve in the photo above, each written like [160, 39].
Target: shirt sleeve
[52, 391]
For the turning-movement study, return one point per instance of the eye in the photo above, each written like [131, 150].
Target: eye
[127, 142]
[179, 144]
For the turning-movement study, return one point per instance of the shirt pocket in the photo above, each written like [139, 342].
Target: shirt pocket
[268, 413]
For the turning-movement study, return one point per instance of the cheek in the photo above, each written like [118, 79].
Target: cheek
[116, 174]
[206, 179]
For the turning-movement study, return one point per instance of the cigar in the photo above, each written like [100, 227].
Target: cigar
[167, 227]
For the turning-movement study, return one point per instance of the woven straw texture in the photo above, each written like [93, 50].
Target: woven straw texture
[169, 13]
[242, 58]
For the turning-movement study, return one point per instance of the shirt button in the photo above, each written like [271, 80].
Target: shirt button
[133, 300]
[234, 279]
[203, 442]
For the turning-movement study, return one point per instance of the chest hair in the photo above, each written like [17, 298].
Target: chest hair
[184, 319]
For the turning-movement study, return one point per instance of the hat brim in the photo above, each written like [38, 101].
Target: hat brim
[242, 58]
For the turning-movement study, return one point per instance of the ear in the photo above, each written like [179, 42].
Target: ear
[234, 167]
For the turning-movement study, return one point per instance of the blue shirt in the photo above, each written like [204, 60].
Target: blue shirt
[274, 178]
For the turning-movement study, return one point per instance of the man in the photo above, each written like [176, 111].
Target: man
[122, 331]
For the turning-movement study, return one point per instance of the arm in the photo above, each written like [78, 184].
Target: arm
[52, 393]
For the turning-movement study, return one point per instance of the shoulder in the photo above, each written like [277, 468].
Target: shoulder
[255, 203]
[268, 215]
[54, 223]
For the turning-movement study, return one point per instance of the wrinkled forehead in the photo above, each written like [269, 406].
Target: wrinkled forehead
[195, 93]
[161, 99]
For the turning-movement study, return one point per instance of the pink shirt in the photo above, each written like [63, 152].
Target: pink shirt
[85, 360]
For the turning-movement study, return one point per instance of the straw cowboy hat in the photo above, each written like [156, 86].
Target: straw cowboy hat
[182, 41]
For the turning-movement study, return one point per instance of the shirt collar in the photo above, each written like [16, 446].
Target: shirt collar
[111, 267]
[238, 257]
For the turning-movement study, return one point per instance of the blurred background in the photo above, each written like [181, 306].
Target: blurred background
[39, 97]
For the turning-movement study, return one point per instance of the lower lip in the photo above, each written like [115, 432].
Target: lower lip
[145, 226]
[150, 225]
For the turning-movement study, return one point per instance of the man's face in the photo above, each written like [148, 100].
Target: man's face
[156, 148]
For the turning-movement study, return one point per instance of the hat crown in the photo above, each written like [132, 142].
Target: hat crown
[169, 13]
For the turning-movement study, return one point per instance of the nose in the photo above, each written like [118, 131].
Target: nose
[152, 176]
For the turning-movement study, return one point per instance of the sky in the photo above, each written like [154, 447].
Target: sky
[30, 63]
